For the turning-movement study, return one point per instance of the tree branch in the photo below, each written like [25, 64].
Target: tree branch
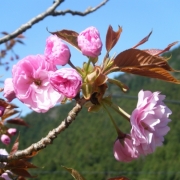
[79, 13]
[34, 148]
[49, 12]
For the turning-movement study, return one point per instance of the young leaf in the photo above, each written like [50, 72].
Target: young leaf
[138, 58]
[17, 121]
[158, 73]
[15, 146]
[68, 36]
[9, 112]
[142, 63]
[75, 174]
[87, 90]
[112, 37]
[22, 172]
[123, 87]
[142, 41]
[156, 52]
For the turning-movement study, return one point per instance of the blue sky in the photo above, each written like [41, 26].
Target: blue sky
[137, 18]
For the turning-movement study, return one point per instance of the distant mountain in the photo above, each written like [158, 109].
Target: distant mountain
[87, 144]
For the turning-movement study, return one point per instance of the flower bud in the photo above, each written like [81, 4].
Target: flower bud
[56, 51]
[124, 150]
[5, 176]
[5, 139]
[12, 131]
[89, 42]
[1, 111]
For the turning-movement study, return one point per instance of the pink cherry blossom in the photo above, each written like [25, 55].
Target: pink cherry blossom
[9, 93]
[5, 176]
[66, 81]
[124, 149]
[149, 121]
[56, 51]
[5, 139]
[89, 42]
[12, 131]
[31, 83]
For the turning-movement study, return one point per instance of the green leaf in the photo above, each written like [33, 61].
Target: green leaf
[87, 90]
[75, 174]
[88, 68]
[93, 59]
[123, 87]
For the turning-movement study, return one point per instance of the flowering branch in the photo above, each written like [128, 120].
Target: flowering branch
[34, 148]
[49, 12]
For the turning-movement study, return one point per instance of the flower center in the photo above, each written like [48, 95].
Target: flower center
[37, 82]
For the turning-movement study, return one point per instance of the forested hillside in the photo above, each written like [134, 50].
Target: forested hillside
[87, 145]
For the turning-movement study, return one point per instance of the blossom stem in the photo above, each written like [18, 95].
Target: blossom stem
[89, 61]
[120, 111]
[119, 132]
[72, 65]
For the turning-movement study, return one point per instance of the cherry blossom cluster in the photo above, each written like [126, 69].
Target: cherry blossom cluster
[38, 83]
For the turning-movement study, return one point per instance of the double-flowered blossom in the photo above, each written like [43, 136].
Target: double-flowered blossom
[56, 51]
[124, 150]
[149, 122]
[66, 81]
[89, 42]
[9, 93]
[31, 83]
[149, 126]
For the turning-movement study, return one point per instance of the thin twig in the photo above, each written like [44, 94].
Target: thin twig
[49, 12]
[34, 148]
[79, 13]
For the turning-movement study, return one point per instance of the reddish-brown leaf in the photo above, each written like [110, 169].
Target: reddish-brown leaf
[143, 40]
[139, 58]
[9, 112]
[112, 37]
[19, 41]
[4, 103]
[68, 36]
[119, 178]
[17, 121]
[142, 63]
[156, 52]
[21, 178]
[21, 36]
[20, 164]
[5, 33]
[15, 146]
[22, 172]
[158, 73]
[10, 44]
